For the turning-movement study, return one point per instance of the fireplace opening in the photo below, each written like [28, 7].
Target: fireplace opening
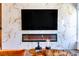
[39, 37]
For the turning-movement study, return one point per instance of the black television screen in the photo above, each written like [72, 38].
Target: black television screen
[39, 19]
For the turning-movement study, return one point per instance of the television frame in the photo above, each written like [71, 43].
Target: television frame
[42, 31]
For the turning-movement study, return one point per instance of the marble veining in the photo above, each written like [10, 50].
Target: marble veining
[12, 33]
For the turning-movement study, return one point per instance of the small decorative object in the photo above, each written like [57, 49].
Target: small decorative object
[48, 44]
[38, 48]
[48, 47]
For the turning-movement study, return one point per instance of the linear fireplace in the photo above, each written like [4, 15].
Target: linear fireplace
[39, 37]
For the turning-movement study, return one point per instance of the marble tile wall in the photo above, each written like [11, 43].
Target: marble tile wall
[11, 25]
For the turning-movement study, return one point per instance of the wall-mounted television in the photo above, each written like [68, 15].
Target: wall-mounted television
[39, 19]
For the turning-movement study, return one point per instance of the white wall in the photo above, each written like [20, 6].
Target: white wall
[11, 25]
[78, 26]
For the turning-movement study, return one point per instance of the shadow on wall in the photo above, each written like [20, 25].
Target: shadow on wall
[75, 45]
